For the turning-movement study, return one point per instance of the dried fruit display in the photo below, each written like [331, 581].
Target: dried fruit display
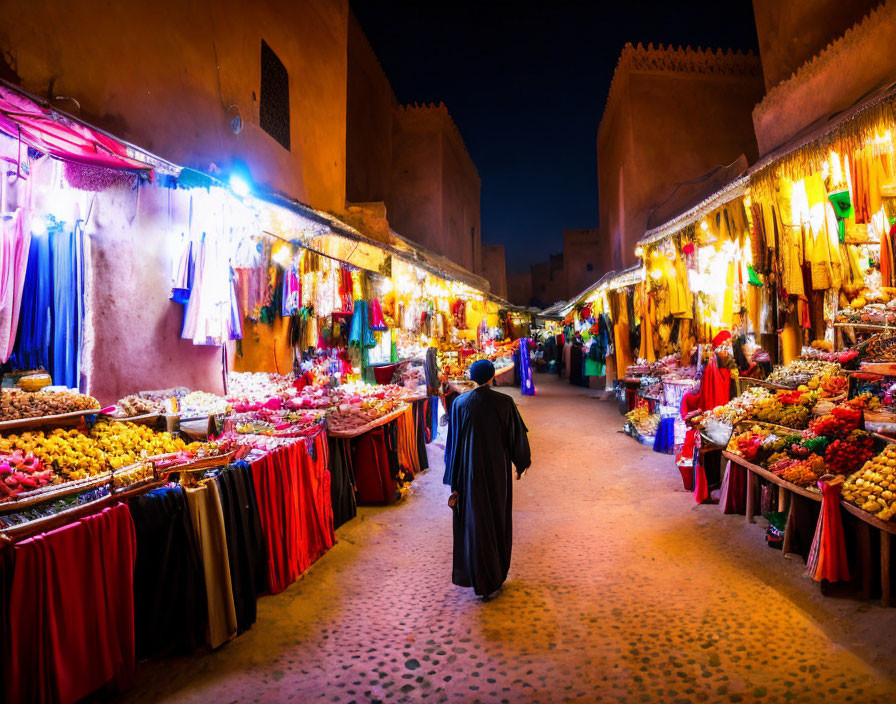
[132, 406]
[18, 405]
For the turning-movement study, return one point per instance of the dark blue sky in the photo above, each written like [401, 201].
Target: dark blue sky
[526, 83]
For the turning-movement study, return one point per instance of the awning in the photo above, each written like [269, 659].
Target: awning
[54, 133]
[726, 194]
[627, 277]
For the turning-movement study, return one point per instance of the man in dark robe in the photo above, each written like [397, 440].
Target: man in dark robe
[486, 435]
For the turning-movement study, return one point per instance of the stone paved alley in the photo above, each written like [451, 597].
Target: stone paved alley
[621, 590]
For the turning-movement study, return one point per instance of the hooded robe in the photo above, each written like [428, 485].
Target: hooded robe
[485, 436]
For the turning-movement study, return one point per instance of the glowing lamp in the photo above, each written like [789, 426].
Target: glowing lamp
[239, 185]
[639, 251]
[704, 225]
[656, 274]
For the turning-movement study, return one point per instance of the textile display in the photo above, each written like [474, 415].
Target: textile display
[527, 387]
[316, 508]
[291, 502]
[245, 548]
[827, 556]
[33, 343]
[167, 562]
[15, 247]
[733, 498]
[420, 432]
[407, 443]
[206, 512]
[361, 335]
[67, 254]
[71, 610]
[373, 475]
[665, 436]
[342, 482]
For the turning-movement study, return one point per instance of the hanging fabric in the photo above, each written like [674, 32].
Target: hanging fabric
[14, 254]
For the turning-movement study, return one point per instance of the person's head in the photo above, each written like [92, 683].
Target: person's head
[482, 372]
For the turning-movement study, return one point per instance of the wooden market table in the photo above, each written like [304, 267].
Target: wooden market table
[886, 528]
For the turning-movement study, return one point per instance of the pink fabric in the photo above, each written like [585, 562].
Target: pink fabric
[13, 263]
[54, 134]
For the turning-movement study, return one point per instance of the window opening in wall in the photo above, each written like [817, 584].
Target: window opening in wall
[274, 108]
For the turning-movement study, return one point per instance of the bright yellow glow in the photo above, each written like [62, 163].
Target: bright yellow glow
[282, 254]
[704, 225]
[639, 251]
[656, 274]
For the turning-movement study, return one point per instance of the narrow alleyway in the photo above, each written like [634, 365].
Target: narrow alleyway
[621, 590]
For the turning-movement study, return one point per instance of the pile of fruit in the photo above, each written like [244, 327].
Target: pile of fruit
[873, 487]
[803, 472]
[833, 385]
[17, 405]
[126, 443]
[132, 406]
[791, 409]
[832, 444]
[740, 406]
[23, 472]
[803, 373]
[73, 455]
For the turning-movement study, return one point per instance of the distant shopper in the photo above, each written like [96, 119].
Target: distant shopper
[486, 436]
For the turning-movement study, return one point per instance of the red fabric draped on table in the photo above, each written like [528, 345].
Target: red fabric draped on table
[293, 490]
[317, 509]
[827, 558]
[71, 610]
[372, 474]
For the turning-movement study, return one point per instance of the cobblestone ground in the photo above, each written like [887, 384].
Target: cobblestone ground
[621, 590]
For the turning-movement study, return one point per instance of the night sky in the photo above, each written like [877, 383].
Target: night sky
[526, 84]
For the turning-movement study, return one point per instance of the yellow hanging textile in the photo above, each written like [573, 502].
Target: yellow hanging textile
[791, 239]
[683, 295]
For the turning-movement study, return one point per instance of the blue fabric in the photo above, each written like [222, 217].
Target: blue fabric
[527, 386]
[665, 435]
[68, 306]
[32, 348]
[361, 336]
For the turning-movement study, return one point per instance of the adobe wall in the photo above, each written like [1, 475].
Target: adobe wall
[614, 143]
[371, 104]
[461, 227]
[582, 254]
[175, 91]
[519, 287]
[791, 33]
[494, 268]
[852, 66]
[673, 115]
[434, 198]
[414, 205]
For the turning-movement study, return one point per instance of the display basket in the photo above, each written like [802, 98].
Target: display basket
[744, 383]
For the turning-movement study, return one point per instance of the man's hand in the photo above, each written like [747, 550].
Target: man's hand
[452, 500]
